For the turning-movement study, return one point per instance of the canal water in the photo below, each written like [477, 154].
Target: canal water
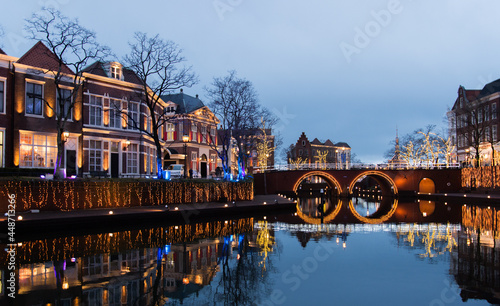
[367, 251]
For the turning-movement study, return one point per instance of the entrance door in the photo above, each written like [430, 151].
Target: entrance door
[203, 169]
[115, 162]
[70, 162]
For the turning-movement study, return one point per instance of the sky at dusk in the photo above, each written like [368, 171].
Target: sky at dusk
[349, 71]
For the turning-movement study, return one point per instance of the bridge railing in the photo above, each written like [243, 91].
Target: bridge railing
[356, 166]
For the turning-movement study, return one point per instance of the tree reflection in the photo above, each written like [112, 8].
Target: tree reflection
[245, 277]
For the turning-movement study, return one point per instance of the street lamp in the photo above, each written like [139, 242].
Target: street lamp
[185, 139]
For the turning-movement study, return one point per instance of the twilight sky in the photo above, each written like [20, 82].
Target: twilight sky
[346, 71]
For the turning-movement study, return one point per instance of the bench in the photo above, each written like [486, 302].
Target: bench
[99, 174]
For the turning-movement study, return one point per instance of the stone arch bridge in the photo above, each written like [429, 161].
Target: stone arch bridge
[392, 182]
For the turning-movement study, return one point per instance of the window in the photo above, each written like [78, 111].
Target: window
[493, 111]
[95, 155]
[486, 134]
[212, 135]
[170, 131]
[133, 115]
[203, 133]
[116, 72]
[194, 160]
[115, 116]
[95, 111]
[303, 143]
[34, 98]
[37, 150]
[480, 115]
[194, 131]
[494, 132]
[181, 131]
[487, 113]
[2, 96]
[300, 152]
[64, 99]
[132, 158]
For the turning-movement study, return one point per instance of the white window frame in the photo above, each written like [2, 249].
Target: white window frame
[494, 110]
[113, 111]
[3, 94]
[194, 132]
[2, 147]
[33, 148]
[194, 161]
[170, 129]
[132, 158]
[42, 101]
[204, 134]
[115, 72]
[95, 109]
[133, 115]
[93, 165]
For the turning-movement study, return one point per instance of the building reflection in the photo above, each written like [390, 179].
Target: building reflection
[134, 273]
[476, 266]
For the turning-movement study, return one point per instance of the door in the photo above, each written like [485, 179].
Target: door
[70, 162]
[115, 162]
[203, 170]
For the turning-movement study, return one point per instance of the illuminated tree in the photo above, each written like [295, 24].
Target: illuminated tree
[157, 64]
[297, 163]
[264, 147]
[72, 47]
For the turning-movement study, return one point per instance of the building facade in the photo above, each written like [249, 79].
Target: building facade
[474, 124]
[316, 153]
[107, 129]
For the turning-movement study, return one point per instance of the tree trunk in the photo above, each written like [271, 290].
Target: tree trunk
[59, 158]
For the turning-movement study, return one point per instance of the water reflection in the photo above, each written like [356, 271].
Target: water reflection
[242, 261]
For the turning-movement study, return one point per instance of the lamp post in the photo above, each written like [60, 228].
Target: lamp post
[185, 139]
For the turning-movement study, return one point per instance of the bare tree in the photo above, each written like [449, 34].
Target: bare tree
[473, 126]
[234, 100]
[158, 65]
[73, 47]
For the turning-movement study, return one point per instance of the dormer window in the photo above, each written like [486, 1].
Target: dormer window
[116, 72]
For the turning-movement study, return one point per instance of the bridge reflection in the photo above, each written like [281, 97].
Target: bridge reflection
[371, 210]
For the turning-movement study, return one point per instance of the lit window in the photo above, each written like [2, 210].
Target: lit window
[204, 134]
[37, 150]
[95, 155]
[34, 99]
[170, 131]
[194, 131]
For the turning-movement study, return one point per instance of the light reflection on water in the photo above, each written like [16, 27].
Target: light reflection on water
[425, 254]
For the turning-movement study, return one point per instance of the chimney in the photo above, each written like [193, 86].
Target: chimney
[181, 89]
[196, 96]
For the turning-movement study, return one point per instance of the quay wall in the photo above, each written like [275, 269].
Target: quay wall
[47, 195]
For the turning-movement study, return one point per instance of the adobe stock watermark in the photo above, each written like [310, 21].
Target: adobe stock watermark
[448, 295]
[224, 6]
[284, 117]
[297, 274]
[363, 35]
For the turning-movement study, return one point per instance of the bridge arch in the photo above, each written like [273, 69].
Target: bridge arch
[386, 183]
[326, 219]
[332, 181]
[386, 211]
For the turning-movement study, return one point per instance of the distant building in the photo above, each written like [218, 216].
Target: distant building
[338, 155]
[397, 161]
[474, 117]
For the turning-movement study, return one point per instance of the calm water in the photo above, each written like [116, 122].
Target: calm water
[368, 252]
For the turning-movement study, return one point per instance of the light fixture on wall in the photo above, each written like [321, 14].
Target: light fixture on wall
[126, 143]
[65, 136]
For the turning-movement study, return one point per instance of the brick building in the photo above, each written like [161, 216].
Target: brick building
[102, 132]
[474, 117]
[338, 155]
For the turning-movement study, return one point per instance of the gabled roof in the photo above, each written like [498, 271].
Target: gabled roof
[489, 89]
[342, 144]
[329, 143]
[41, 57]
[316, 141]
[186, 103]
[97, 68]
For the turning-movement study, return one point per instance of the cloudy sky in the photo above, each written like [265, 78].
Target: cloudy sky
[348, 71]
